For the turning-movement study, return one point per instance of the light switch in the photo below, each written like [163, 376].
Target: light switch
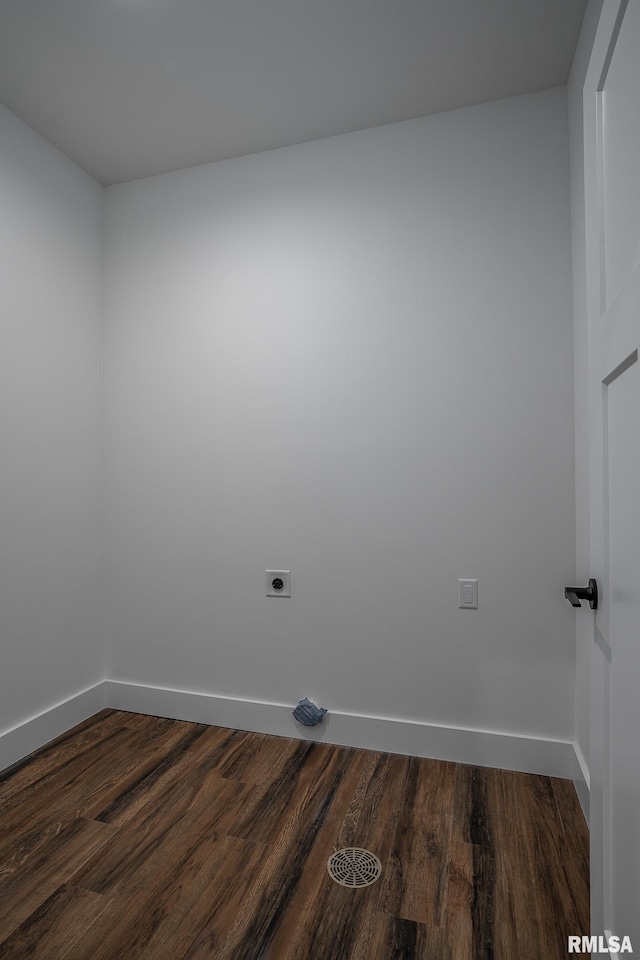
[468, 594]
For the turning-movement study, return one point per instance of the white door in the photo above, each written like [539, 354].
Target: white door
[612, 206]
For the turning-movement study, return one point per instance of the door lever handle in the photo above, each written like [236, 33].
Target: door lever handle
[575, 594]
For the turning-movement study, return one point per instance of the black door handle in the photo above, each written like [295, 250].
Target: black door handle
[575, 594]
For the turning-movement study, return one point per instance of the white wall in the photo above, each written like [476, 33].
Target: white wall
[50, 424]
[351, 358]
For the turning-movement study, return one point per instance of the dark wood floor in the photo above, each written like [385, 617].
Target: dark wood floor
[139, 838]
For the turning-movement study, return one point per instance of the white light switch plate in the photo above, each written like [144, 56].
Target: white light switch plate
[468, 594]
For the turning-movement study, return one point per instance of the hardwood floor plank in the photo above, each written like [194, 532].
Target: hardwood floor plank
[570, 812]
[501, 807]
[210, 906]
[65, 786]
[57, 923]
[141, 754]
[542, 853]
[179, 875]
[51, 759]
[457, 921]
[537, 911]
[24, 889]
[147, 773]
[264, 816]
[557, 905]
[307, 898]
[375, 809]
[195, 805]
[393, 938]
[338, 916]
[471, 904]
[213, 746]
[473, 798]
[574, 843]
[78, 789]
[415, 882]
[526, 797]
[308, 810]
[256, 757]
[536, 903]
[57, 800]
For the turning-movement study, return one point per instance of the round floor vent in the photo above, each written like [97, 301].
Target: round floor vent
[354, 867]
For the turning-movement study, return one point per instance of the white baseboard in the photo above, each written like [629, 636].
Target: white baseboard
[555, 758]
[581, 780]
[26, 737]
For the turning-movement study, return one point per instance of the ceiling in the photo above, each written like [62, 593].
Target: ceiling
[129, 88]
